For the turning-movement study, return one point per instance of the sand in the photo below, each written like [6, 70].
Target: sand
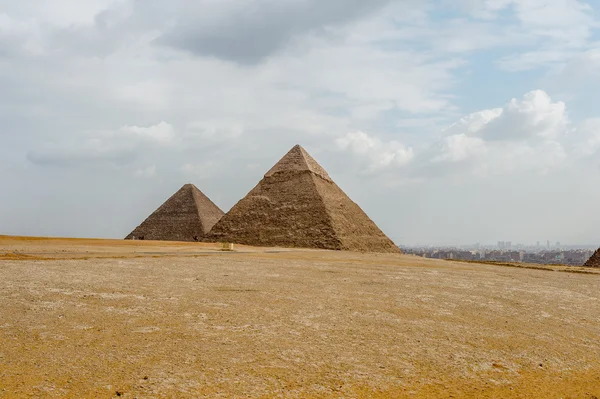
[101, 319]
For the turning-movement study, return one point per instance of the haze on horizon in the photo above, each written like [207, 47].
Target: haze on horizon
[447, 122]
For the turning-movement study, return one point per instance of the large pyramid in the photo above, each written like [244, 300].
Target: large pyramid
[186, 216]
[297, 204]
[594, 260]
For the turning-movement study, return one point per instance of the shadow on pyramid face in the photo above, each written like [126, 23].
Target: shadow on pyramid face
[298, 205]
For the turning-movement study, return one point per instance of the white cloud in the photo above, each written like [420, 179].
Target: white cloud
[536, 116]
[162, 132]
[568, 21]
[373, 80]
[460, 147]
[540, 16]
[589, 132]
[522, 136]
[67, 13]
[486, 9]
[376, 154]
[475, 122]
[581, 70]
[542, 33]
[528, 60]
[116, 147]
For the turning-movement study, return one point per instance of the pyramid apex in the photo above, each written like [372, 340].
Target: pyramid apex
[298, 159]
[188, 187]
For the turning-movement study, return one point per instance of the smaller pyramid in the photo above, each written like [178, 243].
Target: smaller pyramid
[594, 260]
[187, 216]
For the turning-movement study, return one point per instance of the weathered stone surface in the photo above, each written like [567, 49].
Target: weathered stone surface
[297, 204]
[186, 216]
[297, 159]
[594, 260]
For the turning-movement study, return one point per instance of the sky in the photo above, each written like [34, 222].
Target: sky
[449, 122]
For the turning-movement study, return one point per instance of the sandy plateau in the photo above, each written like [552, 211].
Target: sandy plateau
[102, 319]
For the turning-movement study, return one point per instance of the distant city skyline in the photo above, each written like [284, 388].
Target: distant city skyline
[505, 245]
[561, 256]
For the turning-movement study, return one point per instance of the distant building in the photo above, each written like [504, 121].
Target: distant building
[573, 257]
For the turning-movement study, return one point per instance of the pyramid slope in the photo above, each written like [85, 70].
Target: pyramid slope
[355, 230]
[187, 214]
[297, 204]
[594, 260]
[282, 210]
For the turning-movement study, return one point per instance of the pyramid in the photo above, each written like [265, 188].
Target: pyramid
[187, 215]
[594, 260]
[297, 204]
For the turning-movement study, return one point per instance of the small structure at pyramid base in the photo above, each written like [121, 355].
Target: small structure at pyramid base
[297, 204]
[187, 216]
[226, 246]
[594, 260]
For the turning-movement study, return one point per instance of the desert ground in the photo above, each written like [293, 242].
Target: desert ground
[139, 319]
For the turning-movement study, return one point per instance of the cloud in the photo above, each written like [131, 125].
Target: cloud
[104, 34]
[524, 136]
[581, 70]
[70, 12]
[17, 37]
[127, 70]
[542, 34]
[161, 133]
[378, 155]
[541, 17]
[117, 148]
[536, 116]
[475, 122]
[568, 21]
[529, 60]
[460, 147]
[247, 32]
[589, 132]
[88, 153]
